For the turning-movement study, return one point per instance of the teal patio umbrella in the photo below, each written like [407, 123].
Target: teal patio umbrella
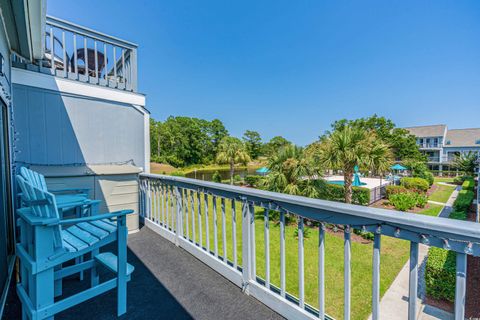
[263, 171]
[398, 167]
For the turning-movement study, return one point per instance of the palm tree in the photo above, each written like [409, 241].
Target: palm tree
[293, 173]
[231, 150]
[351, 146]
[466, 162]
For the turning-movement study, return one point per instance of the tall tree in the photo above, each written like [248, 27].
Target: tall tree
[292, 172]
[154, 139]
[253, 143]
[275, 144]
[185, 141]
[216, 131]
[466, 162]
[350, 146]
[231, 150]
[402, 143]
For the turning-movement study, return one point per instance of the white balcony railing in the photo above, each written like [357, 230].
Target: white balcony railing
[78, 53]
[181, 210]
[430, 145]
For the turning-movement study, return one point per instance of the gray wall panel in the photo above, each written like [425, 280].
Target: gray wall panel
[56, 128]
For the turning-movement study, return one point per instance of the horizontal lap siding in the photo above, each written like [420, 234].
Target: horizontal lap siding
[56, 128]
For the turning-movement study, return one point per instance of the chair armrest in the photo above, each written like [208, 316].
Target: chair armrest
[70, 190]
[27, 215]
[116, 214]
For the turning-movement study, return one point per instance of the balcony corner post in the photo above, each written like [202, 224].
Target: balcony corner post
[246, 246]
[178, 218]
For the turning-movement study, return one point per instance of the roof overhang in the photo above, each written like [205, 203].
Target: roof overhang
[24, 21]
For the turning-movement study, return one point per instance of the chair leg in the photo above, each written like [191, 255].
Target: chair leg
[58, 283]
[122, 267]
[94, 277]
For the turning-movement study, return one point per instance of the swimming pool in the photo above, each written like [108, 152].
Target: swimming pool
[341, 182]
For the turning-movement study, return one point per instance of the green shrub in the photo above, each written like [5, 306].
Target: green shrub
[427, 175]
[335, 192]
[415, 184]
[364, 234]
[403, 201]
[216, 177]
[237, 178]
[441, 265]
[464, 200]
[458, 215]
[421, 200]
[253, 180]
[306, 232]
[440, 274]
[361, 196]
[460, 179]
[468, 184]
[391, 189]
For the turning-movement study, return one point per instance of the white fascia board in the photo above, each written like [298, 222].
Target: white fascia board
[49, 82]
[36, 11]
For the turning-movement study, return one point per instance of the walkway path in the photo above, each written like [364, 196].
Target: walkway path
[448, 208]
[394, 303]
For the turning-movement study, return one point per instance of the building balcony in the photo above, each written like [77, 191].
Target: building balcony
[430, 145]
[82, 54]
[215, 251]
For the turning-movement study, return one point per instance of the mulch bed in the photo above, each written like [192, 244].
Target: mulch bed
[472, 309]
[383, 204]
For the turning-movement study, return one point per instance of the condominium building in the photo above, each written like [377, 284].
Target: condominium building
[441, 145]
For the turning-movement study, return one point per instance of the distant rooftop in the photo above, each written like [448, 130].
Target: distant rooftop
[437, 130]
[463, 138]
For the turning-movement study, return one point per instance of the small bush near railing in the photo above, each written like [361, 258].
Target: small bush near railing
[464, 200]
[253, 180]
[335, 192]
[391, 189]
[468, 184]
[441, 266]
[403, 201]
[216, 177]
[415, 184]
[440, 274]
[421, 200]
[306, 232]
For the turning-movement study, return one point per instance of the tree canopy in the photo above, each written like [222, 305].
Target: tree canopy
[253, 143]
[182, 141]
[402, 143]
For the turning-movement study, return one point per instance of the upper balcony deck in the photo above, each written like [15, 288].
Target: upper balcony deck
[82, 54]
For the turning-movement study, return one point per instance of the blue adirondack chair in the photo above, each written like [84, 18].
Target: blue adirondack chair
[67, 199]
[47, 241]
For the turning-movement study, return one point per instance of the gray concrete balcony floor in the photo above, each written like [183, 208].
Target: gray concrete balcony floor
[168, 283]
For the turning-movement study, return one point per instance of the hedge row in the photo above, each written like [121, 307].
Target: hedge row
[416, 184]
[336, 192]
[441, 265]
[464, 200]
[468, 184]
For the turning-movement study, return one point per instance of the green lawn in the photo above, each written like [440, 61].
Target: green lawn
[442, 193]
[393, 256]
[443, 179]
[432, 210]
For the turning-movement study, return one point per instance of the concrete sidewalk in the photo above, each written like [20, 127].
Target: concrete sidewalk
[448, 208]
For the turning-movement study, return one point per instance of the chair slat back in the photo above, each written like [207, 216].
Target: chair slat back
[42, 204]
[34, 178]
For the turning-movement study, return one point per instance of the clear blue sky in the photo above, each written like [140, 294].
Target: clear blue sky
[292, 67]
